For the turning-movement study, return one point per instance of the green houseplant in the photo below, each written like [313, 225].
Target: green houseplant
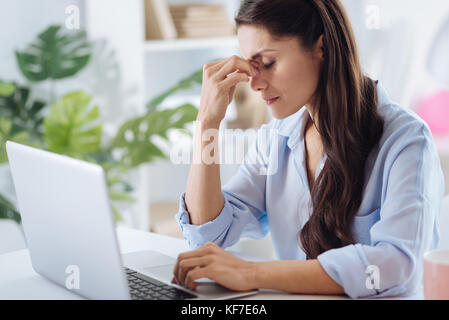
[55, 54]
[71, 125]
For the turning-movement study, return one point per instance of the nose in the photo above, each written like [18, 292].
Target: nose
[258, 83]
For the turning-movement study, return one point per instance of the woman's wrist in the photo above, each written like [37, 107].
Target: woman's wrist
[208, 123]
[255, 275]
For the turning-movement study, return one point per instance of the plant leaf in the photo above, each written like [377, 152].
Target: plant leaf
[6, 133]
[54, 54]
[134, 137]
[8, 211]
[25, 114]
[117, 216]
[183, 84]
[72, 127]
[6, 89]
[120, 196]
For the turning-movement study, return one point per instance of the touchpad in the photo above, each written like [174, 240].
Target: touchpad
[163, 273]
[147, 258]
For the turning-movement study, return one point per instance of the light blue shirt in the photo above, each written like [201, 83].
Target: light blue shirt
[396, 222]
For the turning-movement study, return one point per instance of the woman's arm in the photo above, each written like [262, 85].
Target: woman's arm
[295, 277]
[244, 211]
[213, 262]
[204, 199]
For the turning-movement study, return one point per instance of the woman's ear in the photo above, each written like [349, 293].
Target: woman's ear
[319, 47]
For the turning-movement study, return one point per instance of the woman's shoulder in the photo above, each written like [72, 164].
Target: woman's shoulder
[406, 140]
[401, 125]
[396, 116]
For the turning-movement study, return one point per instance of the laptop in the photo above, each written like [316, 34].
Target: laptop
[70, 233]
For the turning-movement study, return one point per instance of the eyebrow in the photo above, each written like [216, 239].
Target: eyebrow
[257, 55]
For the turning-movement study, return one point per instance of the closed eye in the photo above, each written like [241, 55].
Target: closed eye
[268, 66]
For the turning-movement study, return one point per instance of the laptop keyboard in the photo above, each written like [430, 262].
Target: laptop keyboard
[144, 288]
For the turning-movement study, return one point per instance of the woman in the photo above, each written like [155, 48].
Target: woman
[349, 185]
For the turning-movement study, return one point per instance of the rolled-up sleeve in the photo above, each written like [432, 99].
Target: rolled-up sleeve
[244, 213]
[391, 264]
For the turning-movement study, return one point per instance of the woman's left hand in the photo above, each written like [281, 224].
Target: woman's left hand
[211, 261]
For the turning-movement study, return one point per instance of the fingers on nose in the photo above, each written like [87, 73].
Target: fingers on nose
[255, 68]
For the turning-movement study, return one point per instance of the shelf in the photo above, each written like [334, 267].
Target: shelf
[189, 44]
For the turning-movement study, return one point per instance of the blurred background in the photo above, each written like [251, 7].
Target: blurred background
[118, 83]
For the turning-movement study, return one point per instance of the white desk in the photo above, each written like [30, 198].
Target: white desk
[19, 281]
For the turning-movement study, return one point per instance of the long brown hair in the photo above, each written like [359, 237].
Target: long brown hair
[345, 103]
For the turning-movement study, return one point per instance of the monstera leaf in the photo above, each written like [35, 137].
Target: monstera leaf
[55, 54]
[8, 210]
[183, 84]
[6, 133]
[72, 127]
[134, 136]
[6, 89]
[25, 114]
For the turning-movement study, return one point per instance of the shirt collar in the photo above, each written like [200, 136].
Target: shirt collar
[382, 95]
[293, 126]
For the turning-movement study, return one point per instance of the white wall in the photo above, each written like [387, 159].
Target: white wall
[21, 21]
[397, 53]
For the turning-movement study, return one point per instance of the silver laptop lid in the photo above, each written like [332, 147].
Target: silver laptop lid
[68, 223]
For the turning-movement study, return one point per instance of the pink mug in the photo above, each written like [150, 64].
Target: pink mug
[436, 275]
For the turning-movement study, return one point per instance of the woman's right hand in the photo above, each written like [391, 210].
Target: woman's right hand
[219, 82]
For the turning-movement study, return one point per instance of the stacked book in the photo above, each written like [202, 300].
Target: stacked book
[159, 23]
[201, 20]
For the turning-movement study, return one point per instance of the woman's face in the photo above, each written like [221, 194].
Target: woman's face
[286, 71]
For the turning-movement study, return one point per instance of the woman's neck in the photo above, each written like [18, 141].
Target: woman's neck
[312, 123]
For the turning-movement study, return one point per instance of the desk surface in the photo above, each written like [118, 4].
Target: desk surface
[18, 280]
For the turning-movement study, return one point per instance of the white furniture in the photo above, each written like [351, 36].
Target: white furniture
[19, 281]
